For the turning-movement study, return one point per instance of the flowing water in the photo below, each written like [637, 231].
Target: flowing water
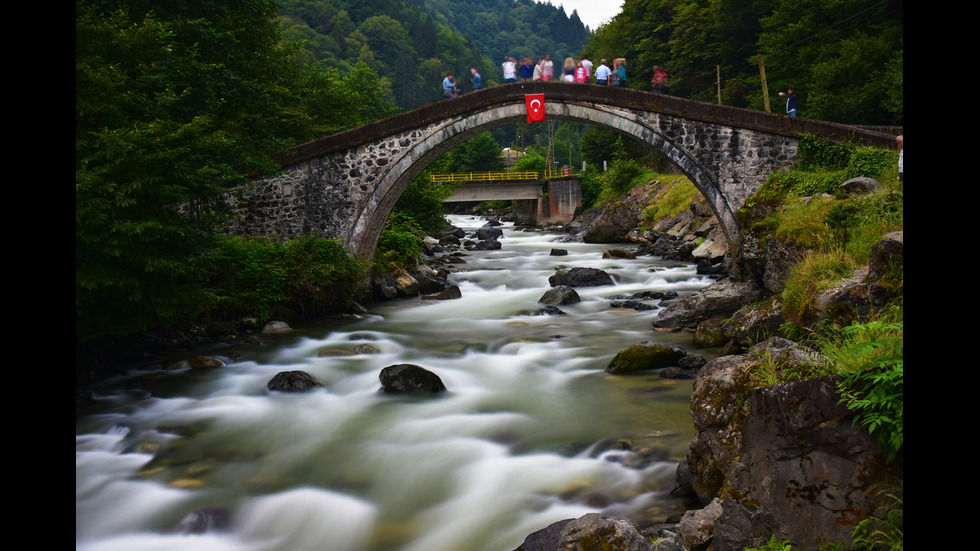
[526, 435]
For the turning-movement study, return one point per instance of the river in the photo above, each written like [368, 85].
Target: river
[527, 433]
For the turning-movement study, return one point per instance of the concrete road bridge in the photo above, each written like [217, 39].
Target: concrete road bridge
[540, 197]
[345, 185]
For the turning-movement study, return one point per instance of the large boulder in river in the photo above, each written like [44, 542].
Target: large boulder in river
[488, 231]
[719, 299]
[581, 277]
[595, 532]
[410, 379]
[292, 381]
[560, 295]
[449, 293]
[643, 356]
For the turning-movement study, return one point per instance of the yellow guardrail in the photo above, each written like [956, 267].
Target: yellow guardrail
[501, 175]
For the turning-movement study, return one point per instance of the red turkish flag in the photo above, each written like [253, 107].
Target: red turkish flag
[535, 107]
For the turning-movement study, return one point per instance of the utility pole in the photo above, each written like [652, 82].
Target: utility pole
[718, 79]
[765, 87]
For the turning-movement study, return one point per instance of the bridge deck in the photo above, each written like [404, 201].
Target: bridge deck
[587, 94]
[501, 175]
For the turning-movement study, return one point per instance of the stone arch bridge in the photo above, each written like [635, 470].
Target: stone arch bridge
[345, 185]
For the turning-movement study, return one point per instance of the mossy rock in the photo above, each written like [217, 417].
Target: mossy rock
[645, 356]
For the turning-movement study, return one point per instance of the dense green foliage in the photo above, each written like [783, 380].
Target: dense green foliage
[412, 45]
[268, 278]
[171, 103]
[843, 59]
[871, 357]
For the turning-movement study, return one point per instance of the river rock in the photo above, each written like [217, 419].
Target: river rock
[710, 333]
[595, 532]
[488, 231]
[861, 185]
[205, 362]
[545, 538]
[719, 299]
[778, 260]
[755, 323]
[559, 295]
[488, 245]
[619, 253]
[643, 356]
[581, 277]
[277, 326]
[559, 252]
[697, 526]
[449, 293]
[544, 311]
[292, 381]
[203, 520]
[410, 379]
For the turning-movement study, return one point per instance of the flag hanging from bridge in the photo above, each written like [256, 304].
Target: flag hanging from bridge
[535, 107]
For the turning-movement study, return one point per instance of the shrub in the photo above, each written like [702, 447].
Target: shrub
[817, 272]
[871, 359]
[805, 222]
[400, 241]
[814, 153]
[265, 277]
[870, 162]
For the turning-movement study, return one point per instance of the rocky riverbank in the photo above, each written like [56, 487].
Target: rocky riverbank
[785, 460]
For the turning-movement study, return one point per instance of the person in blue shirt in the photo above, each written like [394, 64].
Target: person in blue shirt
[621, 70]
[477, 81]
[449, 86]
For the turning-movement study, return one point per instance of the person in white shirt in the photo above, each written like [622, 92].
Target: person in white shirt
[547, 68]
[510, 69]
[602, 74]
[587, 65]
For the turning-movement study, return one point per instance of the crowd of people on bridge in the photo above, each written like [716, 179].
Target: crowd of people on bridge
[581, 71]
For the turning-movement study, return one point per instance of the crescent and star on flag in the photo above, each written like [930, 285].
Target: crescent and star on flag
[535, 107]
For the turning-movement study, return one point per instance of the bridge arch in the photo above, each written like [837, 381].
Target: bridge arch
[371, 218]
[344, 186]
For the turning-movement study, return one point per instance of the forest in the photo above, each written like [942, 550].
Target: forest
[175, 101]
[843, 59]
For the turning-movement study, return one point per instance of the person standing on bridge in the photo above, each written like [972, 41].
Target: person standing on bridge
[659, 80]
[538, 70]
[449, 86]
[790, 96]
[510, 69]
[527, 69]
[568, 71]
[588, 68]
[620, 71]
[547, 68]
[602, 74]
[900, 142]
[477, 81]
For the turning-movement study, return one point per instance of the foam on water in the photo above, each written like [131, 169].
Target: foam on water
[507, 450]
